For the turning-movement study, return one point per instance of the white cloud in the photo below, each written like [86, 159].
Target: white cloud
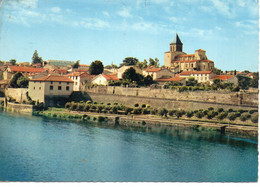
[218, 28]
[124, 13]
[93, 23]
[56, 9]
[105, 13]
[12, 4]
[223, 7]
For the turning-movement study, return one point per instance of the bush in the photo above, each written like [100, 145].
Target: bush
[220, 110]
[99, 108]
[115, 103]
[73, 106]
[230, 110]
[222, 115]
[237, 114]
[171, 112]
[67, 105]
[137, 111]
[80, 107]
[210, 108]
[243, 118]
[254, 119]
[251, 111]
[232, 116]
[143, 106]
[199, 114]
[108, 104]
[136, 105]
[93, 107]
[247, 115]
[114, 109]
[86, 108]
[205, 112]
[128, 110]
[179, 113]
[101, 118]
[241, 111]
[88, 102]
[148, 106]
[163, 112]
[189, 114]
[95, 103]
[154, 111]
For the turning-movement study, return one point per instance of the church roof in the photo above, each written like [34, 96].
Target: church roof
[176, 40]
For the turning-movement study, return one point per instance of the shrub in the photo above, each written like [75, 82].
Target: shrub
[115, 103]
[199, 114]
[136, 105]
[220, 110]
[247, 115]
[254, 119]
[99, 108]
[163, 112]
[230, 110]
[154, 111]
[114, 109]
[86, 108]
[195, 111]
[179, 113]
[241, 111]
[210, 108]
[237, 114]
[88, 102]
[101, 118]
[108, 104]
[189, 114]
[251, 111]
[205, 112]
[232, 116]
[128, 110]
[80, 107]
[243, 118]
[143, 106]
[95, 103]
[94, 118]
[145, 111]
[148, 106]
[67, 105]
[93, 107]
[172, 112]
[73, 106]
[137, 111]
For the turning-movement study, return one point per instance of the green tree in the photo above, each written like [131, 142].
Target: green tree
[217, 83]
[243, 82]
[129, 61]
[12, 61]
[191, 82]
[96, 68]
[76, 64]
[36, 59]
[148, 80]
[13, 81]
[154, 62]
[254, 81]
[131, 75]
[22, 82]
[218, 71]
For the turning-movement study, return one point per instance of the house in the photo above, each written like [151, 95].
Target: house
[181, 80]
[226, 78]
[26, 71]
[158, 73]
[200, 76]
[251, 75]
[180, 61]
[51, 90]
[124, 68]
[79, 79]
[103, 79]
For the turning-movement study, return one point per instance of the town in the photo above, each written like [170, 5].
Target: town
[186, 84]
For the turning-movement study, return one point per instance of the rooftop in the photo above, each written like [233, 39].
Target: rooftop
[53, 78]
[26, 69]
[223, 77]
[195, 72]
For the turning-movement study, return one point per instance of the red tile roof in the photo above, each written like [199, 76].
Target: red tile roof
[26, 69]
[207, 61]
[181, 61]
[53, 78]
[195, 72]
[173, 79]
[81, 74]
[61, 71]
[110, 77]
[154, 70]
[200, 50]
[223, 77]
[186, 55]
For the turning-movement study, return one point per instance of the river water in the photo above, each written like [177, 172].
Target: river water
[38, 149]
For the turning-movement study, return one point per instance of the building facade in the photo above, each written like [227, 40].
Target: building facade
[179, 61]
[50, 90]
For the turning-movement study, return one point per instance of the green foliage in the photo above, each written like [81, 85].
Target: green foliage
[210, 108]
[220, 110]
[199, 114]
[254, 81]
[36, 59]
[136, 105]
[137, 110]
[13, 83]
[172, 112]
[163, 112]
[101, 118]
[191, 82]
[243, 118]
[130, 75]
[143, 106]
[76, 64]
[254, 119]
[243, 82]
[189, 114]
[232, 116]
[12, 61]
[148, 80]
[230, 110]
[96, 67]
[129, 61]
[222, 115]
[154, 62]
[67, 105]
[251, 111]
[22, 82]
[179, 113]
[218, 71]
[154, 111]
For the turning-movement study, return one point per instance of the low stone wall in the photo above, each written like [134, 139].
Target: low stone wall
[225, 97]
[169, 104]
[21, 108]
[19, 94]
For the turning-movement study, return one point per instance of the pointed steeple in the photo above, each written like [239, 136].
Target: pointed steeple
[176, 40]
[176, 44]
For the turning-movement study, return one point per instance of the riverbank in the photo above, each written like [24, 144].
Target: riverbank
[152, 121]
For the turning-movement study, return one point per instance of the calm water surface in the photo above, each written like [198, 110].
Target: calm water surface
[38, 149]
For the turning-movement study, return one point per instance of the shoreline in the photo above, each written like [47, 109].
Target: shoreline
[150, 121]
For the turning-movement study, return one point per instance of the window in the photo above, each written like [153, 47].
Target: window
[34, 88]
[76, 78]
[76, 83]
[51, 87]
[67, 83]
[59, 82]
[67, 88]
[59, 87]
[39, 88]
[51, 82]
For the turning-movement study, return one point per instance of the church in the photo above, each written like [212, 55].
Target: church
[179, 61]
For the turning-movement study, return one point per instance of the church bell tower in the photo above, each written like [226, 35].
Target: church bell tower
[176, 44]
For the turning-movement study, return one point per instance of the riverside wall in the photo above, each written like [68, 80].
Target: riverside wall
[20, 108]
[171, 99]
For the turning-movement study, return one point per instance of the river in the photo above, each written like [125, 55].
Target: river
[39, 149]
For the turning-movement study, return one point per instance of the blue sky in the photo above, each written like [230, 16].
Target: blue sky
[110, 30]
